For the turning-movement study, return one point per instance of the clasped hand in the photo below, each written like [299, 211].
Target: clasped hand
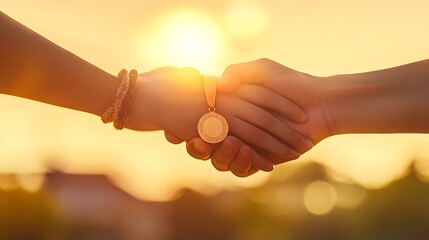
[273, 113]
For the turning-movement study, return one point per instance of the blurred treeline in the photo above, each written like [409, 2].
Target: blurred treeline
[275, 210]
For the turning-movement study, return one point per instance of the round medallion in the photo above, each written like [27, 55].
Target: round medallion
[212, 127]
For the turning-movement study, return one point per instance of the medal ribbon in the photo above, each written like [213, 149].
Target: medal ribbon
[210, 88]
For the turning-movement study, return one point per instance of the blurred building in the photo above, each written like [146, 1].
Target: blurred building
[80, 206]
[96, 209]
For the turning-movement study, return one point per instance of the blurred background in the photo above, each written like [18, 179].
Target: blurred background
[65, 175]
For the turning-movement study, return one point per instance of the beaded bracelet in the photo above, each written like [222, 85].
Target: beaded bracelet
[119, 110]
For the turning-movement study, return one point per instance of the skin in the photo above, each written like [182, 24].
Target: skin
[169, 99]
[393, 100]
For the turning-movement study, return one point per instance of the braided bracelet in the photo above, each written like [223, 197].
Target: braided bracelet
[119, 110]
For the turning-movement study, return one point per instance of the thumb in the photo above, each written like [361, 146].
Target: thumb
[250, 73]
[199, 149]
[228, 83]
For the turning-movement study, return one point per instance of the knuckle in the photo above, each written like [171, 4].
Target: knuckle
[265, 61]
[231, 68]
[190, 71]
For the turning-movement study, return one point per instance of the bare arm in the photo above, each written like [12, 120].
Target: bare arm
[394, 100]
[35, 68]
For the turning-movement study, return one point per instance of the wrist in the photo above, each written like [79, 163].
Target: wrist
[385, 101]
[364, 103]
[342, 96]
[145, 114]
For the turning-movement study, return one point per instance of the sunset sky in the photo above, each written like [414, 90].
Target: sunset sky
[318, 37]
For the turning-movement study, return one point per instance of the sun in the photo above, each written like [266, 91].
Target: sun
[185, 38]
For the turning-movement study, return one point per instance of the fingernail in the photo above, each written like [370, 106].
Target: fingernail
[294, 154]
[268, 167]
[303, 117]
[306, 144]
[198, 148]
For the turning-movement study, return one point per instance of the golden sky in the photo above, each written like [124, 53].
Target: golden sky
[318, 37]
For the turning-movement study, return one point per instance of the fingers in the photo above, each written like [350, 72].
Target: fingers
[259, 128]
[242, 163]
[172, 139]
[228, 154]
[264, 72]
[233, 155]
[268, 99]
[199, 149]
[224, 155]
[239, 73]
[228, 83]
[256, 137]
[255, 72]
[275, 160]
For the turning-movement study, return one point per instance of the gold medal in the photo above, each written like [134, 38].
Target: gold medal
[212, 127]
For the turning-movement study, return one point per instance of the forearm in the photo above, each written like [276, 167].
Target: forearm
[35, 68]
[394, 100]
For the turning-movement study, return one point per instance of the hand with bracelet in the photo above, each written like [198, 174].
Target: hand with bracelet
[169, 99]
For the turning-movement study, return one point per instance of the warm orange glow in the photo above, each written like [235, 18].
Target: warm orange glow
[321, 38]
[31, 182]
[350, 197]
[185, 38]
[368, 160]
[245, 19]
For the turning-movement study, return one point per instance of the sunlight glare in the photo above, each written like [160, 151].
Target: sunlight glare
[185, 38]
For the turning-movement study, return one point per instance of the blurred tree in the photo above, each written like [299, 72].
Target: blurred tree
[194, 216]
[399, 211]
[25, 216]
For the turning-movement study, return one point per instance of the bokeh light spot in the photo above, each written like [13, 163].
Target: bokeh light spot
[320, 197]
[31, 182]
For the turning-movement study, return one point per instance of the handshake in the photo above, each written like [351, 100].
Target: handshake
[274, 113]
